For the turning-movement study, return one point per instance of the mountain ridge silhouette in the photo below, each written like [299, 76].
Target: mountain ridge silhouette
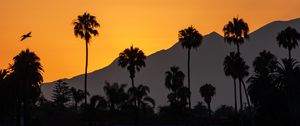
[206, 65]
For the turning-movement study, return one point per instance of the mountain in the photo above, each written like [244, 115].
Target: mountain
[206, 65]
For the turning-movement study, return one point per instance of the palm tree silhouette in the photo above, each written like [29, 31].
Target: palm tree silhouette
[189, 38]
[115, 94]
[27, 72]
[98, 102]
[288, 39]
[140, 93]
[262, 82]
[174, 78]
[236, 67]
[85, 27]
[230, 70]
[134, 60]
[207, 91]
[235, 32]
[77, 96]
[265, 63]
[288, 73]
[174, 82]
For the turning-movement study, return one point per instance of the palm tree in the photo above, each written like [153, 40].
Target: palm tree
[262, 82]
[141, 93]
[236, 67]
[115, 94]
[230, 70]
[288, 39]
[77, 96]
[133, 59]
[98, 102]
[236, 31]
[288, 76]
[27, 73]
[85, 27]
[174, 78]
[189, 38]
[174, 82]
[207, 91]
[265, 63]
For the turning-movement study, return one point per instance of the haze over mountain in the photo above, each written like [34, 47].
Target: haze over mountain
[206, 65]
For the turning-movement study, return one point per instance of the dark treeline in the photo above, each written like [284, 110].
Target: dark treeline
[271, 98]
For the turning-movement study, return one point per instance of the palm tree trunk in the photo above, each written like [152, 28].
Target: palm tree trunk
[189, 81]
[135, 103]
[238, 48]
[241, 95]
[132, 82]
[249, 105]
[209, 109]
[235, 99]
[246, 93]
[85, 74]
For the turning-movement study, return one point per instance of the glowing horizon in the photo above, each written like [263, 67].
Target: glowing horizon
[151, 25]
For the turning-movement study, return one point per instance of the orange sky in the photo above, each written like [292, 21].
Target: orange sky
[151, 25]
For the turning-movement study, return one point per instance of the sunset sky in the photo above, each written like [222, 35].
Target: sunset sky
[151, 25]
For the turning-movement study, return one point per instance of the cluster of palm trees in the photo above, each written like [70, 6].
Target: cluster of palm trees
[116, 97]
[235, 32]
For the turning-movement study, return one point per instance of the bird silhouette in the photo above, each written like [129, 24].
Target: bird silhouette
[25, 36]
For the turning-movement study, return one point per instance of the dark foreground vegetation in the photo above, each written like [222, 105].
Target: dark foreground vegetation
[272, 91]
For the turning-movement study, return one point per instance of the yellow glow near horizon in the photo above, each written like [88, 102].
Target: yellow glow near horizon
[151, 25]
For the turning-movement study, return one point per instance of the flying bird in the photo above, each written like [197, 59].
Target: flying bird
[25, 36]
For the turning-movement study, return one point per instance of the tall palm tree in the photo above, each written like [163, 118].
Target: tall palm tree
[115, 94]
[207, 91]
[141, 93]
[77, 96]
[85, 27]
[189, 38]
[27, 73]
[230, 70]
[235, 32]
[288, 39]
